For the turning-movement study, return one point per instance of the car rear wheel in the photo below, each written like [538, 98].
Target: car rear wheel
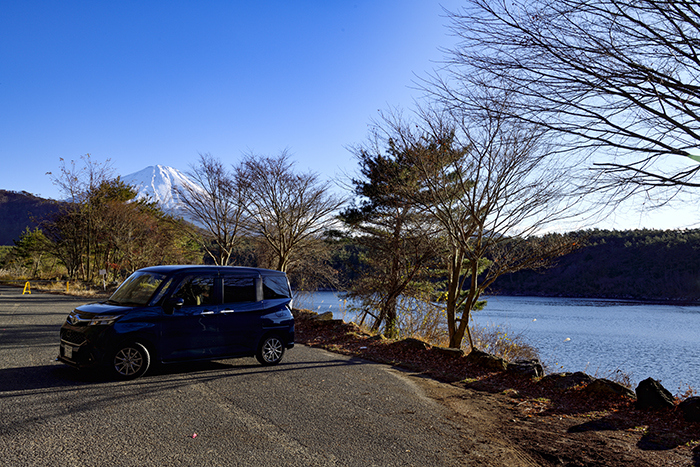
[130, 360]
[270, 351]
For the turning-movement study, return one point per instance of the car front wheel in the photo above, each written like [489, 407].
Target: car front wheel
[130, 360]
[270, 351]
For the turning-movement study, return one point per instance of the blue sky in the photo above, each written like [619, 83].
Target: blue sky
[158, 82]
[145, 83]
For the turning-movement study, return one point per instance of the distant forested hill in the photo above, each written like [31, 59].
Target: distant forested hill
[19, 211]
[634, 264]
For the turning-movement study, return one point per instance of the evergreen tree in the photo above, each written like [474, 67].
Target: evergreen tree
[392, 231]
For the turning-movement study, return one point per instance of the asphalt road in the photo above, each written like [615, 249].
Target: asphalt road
[314, 409]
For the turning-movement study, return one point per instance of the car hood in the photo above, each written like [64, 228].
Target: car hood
[102, 309]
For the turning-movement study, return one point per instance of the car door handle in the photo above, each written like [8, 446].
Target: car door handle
[227, 311]
[207, 312]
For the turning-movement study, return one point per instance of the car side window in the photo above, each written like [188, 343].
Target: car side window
[196, 290]
[239, 289]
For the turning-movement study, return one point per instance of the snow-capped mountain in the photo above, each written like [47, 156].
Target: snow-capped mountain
[160, 184]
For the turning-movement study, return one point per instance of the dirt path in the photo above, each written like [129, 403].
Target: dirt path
[479, 416]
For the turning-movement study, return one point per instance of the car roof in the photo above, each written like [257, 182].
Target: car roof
[174, 268]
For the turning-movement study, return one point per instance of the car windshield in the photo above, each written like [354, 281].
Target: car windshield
[137, 289]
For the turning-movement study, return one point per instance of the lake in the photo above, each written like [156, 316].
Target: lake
[592, 335]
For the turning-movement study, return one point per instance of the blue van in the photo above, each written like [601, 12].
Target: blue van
[171, 314]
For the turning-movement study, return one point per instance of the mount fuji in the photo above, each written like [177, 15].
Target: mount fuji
[160, 183]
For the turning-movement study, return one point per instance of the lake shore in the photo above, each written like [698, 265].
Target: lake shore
[599, 336]
[573, 427]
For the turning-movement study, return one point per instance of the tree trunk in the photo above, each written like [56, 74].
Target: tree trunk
[469, 303]
[453, 292]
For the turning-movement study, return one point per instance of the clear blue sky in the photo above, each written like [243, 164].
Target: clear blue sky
[158, 82]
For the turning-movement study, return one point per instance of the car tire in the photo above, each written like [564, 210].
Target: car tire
[270, 350]
[130, 360]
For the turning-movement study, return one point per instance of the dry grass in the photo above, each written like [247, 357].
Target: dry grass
[422, 320]
[685, 391]
[77, 288]
[619, 376]
[499, 340]
[13, 273]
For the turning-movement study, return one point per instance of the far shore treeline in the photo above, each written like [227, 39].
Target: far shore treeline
[645, 264]
[640, 264]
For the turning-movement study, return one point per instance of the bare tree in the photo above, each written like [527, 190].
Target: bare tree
[618, 79]
[285, 208]
[216, 204]
[76, 183]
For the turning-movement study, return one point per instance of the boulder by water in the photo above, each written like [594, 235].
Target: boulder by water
[691, 409]
[449, 351]
[531, 368]
[605, 388]
[413, 344]
[567, 380]
[652, 395]
[327, 316]
[486, 360]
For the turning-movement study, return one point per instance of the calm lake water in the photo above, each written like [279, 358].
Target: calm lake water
[592, 335]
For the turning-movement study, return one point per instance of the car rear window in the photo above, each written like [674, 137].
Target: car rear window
[276, 287]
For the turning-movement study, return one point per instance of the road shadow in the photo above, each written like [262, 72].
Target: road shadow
[43, 377]
[59, 376]
[17, 336]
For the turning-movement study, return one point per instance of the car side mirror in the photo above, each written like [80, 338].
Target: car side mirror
[172, 304]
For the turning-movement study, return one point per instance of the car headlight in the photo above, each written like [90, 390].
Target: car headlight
[103, 320]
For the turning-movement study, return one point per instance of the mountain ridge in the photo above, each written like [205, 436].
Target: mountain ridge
[22, 210]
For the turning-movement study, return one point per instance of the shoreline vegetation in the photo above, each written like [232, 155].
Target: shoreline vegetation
[659, 266]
